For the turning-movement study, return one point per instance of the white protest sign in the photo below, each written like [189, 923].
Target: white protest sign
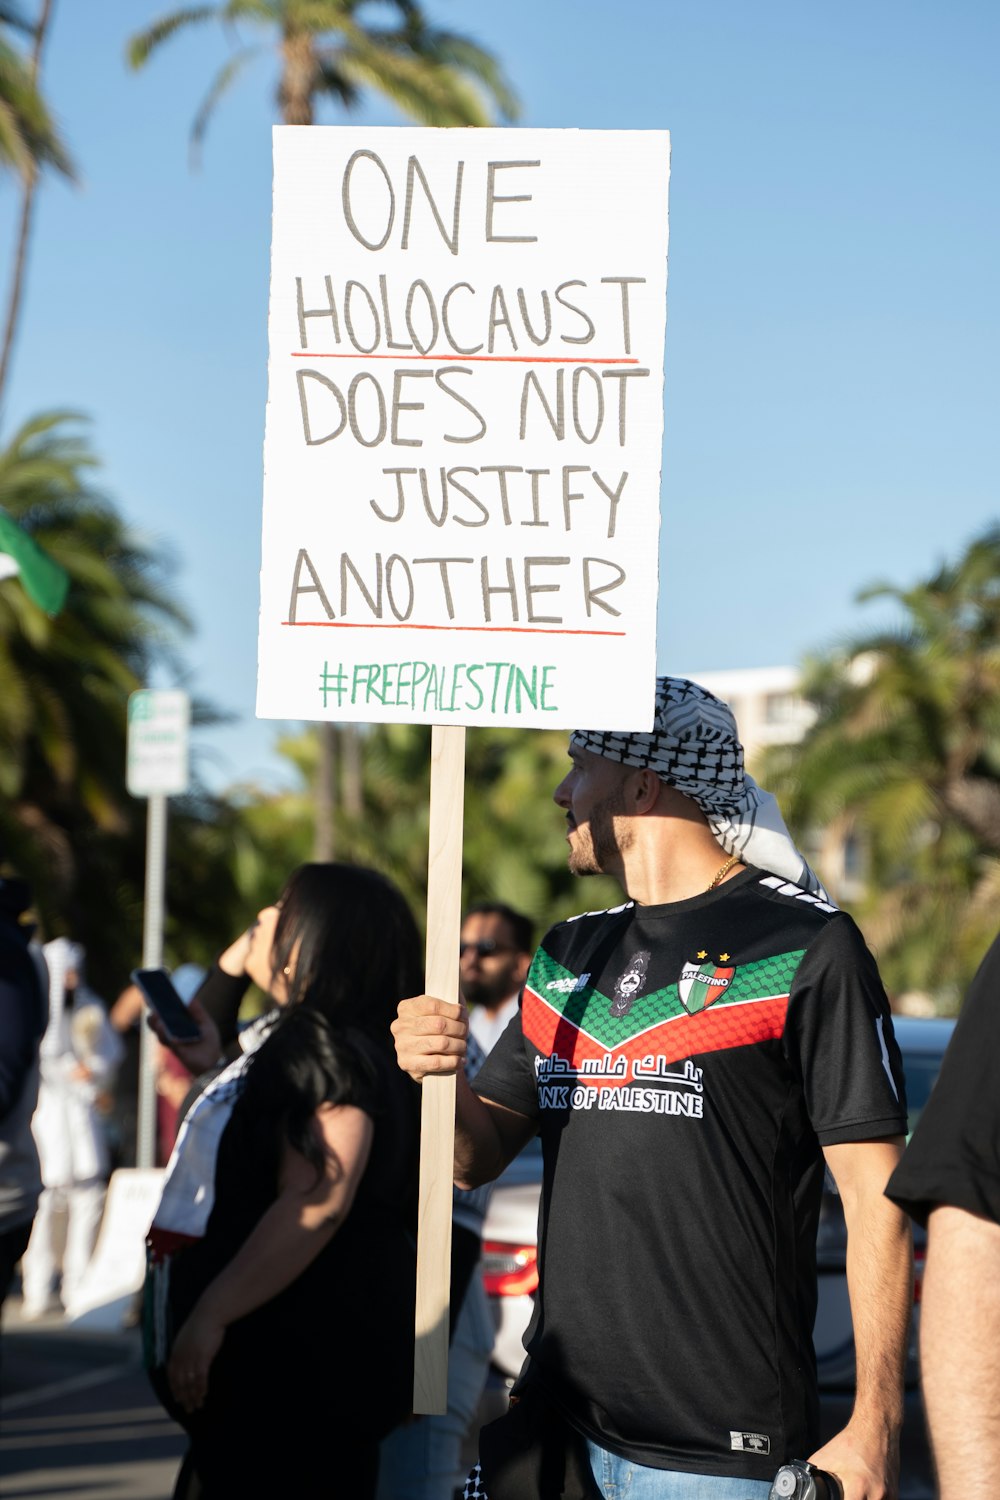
[464, 426]
[117, 1268]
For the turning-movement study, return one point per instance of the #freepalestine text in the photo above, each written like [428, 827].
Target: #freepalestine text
[412, 406]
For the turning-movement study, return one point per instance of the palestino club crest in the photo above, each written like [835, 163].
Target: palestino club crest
[702, 982]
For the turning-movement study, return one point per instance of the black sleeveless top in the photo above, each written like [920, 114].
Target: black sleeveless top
[345, 1325]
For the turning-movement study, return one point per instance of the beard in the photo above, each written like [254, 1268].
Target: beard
[488, 991]
[597, 842]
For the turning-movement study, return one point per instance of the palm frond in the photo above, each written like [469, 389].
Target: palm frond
[433, 76]
[10, 15]
[906, 746]
[265, 12]
[423, 91]
[223, 80]
[143, 44]
[28, 136]
[334, 84]
[450, 50]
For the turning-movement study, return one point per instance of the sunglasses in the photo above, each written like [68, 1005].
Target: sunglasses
[484, 947]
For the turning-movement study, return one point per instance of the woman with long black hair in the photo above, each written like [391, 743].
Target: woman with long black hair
[283, 1252]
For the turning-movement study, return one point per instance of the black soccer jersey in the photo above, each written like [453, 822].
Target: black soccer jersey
[685, 1064]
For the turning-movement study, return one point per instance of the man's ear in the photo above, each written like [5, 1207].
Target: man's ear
[645, 791]
[523, 965]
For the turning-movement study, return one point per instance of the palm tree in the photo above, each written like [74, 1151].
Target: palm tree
[64, 682]
[328, 49]
[515, 847]
[66, 821]
[28, 141]
[905, 751]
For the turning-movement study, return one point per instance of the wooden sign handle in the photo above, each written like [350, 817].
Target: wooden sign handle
[437, 1120]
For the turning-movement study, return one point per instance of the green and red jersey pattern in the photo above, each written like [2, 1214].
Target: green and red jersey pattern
[577, 1024]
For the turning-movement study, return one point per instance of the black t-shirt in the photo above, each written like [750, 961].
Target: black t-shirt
[340, 1336]
[685, 1064]
[954, 1155]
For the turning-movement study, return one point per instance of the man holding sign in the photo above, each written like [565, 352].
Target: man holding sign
[691, 1060]
[462, 472]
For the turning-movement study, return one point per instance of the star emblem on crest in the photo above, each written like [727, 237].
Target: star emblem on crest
[704, 981]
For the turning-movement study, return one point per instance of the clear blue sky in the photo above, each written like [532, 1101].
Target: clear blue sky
[833, 323]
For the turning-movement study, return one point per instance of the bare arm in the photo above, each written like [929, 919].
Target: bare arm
[865, 1455]
[960, 1351]
[431, 1039]
[300, 1222]
[487, 1136]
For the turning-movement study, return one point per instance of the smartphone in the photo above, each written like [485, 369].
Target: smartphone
[161, 996]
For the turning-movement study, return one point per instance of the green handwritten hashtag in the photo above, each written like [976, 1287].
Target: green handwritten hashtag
[332, 683]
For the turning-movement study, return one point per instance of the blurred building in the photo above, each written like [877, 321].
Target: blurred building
[766, 703]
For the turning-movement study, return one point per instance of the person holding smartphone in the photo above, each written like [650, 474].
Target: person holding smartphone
[284, 1240]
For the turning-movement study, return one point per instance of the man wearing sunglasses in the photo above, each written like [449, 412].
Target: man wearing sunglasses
[494, 957]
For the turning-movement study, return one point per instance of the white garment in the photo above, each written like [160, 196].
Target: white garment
[188, 1195]
[68, 1131]
[488, 1026]
[84, 1204]
[69, 1134]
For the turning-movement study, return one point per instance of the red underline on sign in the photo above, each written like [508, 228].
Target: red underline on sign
[503, 359]
[467, 629]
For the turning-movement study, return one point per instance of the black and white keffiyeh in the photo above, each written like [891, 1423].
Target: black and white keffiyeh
[694, 746]
[474, 1486]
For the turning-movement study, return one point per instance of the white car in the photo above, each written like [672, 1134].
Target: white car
[510, 1259]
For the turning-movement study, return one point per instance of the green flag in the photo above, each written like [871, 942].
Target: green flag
[44, 581]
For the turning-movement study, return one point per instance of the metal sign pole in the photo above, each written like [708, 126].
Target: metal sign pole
[152, 958]
[156, 768]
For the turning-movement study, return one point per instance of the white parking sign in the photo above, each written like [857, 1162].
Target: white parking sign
[157, 761]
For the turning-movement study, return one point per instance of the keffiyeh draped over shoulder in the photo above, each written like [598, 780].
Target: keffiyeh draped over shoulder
[188, 1195]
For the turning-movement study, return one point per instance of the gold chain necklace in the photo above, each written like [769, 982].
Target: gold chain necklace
[722, 872]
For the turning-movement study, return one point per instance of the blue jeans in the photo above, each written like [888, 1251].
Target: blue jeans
[422, 1461]
[621, 1479]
